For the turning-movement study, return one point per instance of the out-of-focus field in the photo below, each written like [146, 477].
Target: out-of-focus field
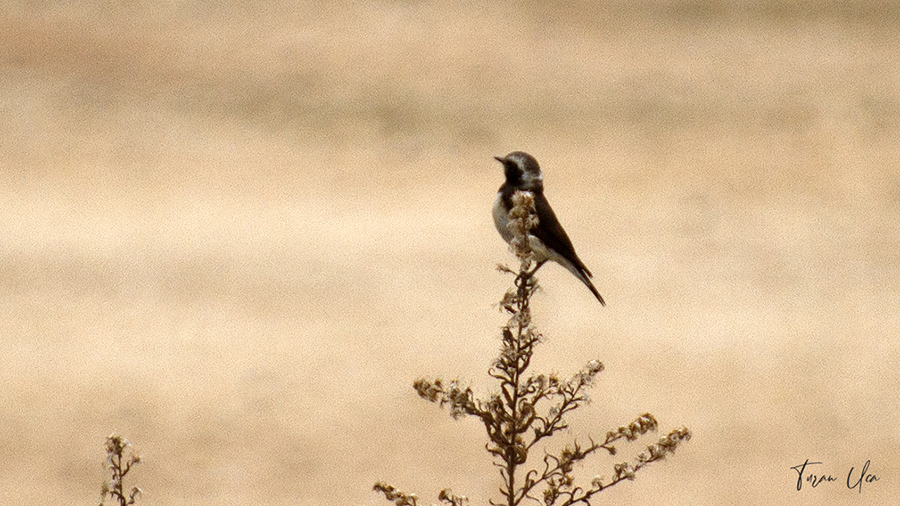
[236, 233]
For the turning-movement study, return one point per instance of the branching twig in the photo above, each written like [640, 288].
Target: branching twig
[120, 458]
[528, 409]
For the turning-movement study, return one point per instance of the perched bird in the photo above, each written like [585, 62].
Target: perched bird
[548, 240]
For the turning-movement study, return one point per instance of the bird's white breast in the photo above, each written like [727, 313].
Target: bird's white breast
[501, 218]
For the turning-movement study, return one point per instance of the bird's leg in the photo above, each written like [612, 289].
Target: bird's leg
[536, 267]
[527, 274]
[526, 278]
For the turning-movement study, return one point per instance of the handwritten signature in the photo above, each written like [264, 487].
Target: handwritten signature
[854, 480]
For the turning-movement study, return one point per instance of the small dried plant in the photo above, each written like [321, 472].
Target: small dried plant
[120, 459]
[529, 408]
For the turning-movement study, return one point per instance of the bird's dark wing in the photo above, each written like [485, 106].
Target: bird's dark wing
[551, 233]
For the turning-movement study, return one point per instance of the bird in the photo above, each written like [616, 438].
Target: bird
[548, 240]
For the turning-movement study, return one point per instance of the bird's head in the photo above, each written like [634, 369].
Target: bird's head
[521, 170]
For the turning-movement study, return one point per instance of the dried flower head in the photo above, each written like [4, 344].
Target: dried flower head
[522, 219]
[398, 497]
[447, 496]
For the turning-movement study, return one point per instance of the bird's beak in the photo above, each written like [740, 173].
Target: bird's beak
[500, 159]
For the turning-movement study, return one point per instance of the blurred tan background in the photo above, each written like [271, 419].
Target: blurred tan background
[236, 232]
